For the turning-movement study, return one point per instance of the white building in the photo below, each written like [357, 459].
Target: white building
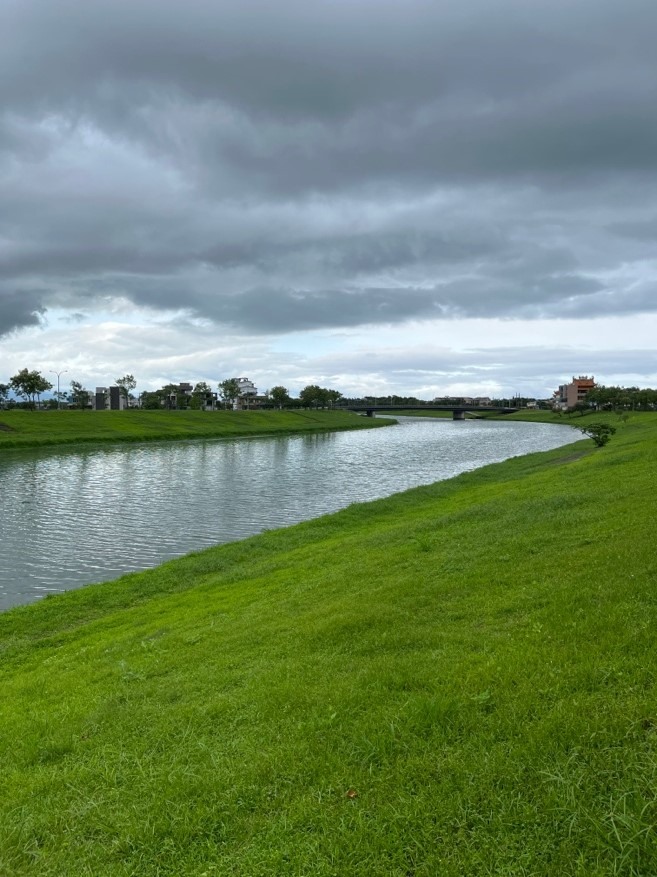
[246, 391]
[246, 387]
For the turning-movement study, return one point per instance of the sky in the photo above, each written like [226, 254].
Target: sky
[418, 197]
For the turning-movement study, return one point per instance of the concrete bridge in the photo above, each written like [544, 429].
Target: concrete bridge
[458, 411]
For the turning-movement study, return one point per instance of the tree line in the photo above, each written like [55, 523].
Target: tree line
[618, 399]
[28, 385]
[621, 399]
[228, 392]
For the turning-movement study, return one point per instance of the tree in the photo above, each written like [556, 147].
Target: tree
[54, 404]
[170, 395]
[4, 393]
[201, 393]
[581, 407]
[310, 396]
[279, 396]
[29, 385]
[151, 400]
[126, 385]
[229, 391]
[313, 396]
[79, 396]
[623, 398]
[600, 432]
[333, 396]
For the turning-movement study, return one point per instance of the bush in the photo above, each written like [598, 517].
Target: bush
[600, 432]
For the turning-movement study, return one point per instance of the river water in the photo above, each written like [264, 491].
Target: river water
[71, 517]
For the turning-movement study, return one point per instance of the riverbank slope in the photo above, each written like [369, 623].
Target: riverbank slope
[529, 415]
[33, 428]
[459, 679]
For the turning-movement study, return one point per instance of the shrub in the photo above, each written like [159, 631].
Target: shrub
[600, 432]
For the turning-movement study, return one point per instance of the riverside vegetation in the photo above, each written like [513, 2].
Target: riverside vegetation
[30, 428]
[456, 680]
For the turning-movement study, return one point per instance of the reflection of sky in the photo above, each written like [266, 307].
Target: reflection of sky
[93, 515]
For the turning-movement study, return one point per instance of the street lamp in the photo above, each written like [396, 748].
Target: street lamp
[62, 372]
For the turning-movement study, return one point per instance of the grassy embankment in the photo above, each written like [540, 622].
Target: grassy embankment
[29, 428]
[457, 680]
[527, 414]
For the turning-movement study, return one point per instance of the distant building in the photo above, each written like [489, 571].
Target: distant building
[247, 392]
[108, 398]
[116, 399]
[570, 395]
[99, 401]
[179, 395]
[246, 387]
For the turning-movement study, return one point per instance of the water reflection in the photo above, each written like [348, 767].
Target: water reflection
[72, 517]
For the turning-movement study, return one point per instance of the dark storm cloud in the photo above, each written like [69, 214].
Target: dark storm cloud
[296, 165]
[264, 310]
[19, 309]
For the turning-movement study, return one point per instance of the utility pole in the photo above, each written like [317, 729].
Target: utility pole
[62, 372]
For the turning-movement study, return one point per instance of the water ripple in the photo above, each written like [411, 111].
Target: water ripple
[69, 518]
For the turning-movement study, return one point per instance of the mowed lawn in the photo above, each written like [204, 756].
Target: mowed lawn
[19, 428]
[457, 680]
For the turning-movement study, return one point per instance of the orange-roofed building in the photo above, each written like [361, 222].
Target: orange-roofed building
[569, 395]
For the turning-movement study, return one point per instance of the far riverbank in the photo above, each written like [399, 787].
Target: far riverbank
[22, 429]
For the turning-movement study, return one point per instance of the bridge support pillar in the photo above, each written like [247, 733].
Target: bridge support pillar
[458, 415]
[369, 413]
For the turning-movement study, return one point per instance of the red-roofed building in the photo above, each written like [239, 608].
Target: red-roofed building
[570, 395]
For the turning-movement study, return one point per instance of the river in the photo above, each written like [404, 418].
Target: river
[69, 517]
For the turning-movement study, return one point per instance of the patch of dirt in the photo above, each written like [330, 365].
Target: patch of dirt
[569, 459]
[5, 428]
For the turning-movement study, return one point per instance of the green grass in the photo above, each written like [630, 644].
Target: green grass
[457, 680]
[29, 428]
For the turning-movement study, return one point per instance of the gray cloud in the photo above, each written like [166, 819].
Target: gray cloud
[292, 166]
[531, 371]
[19, 309]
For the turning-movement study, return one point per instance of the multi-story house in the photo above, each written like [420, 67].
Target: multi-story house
[247, 391]
[570, 395]
[108, 398]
